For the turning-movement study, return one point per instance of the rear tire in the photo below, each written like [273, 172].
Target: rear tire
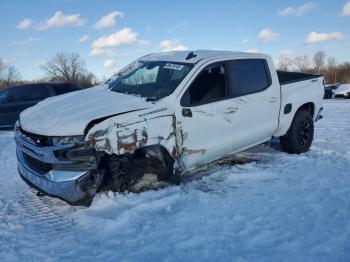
[300, 134]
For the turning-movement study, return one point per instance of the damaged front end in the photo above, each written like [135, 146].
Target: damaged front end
[63, 167]
[111, 156]
[137, 156]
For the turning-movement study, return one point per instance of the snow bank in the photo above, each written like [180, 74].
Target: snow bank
[275, 207]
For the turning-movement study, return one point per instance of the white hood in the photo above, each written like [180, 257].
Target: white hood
[69, 114]
[342, 89]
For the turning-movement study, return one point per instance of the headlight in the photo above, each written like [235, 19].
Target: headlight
[64, 140]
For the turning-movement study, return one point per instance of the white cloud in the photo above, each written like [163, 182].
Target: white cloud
[105, 45]
[83, 39]
[315, 37]
[24, 24]
[346, 9]
[61, 20]
[109, 64]
[267, 35]
[95, 52]
[6, 61]
[286, 52]
[27, 41]
[123, 37]
[246, 40]
[171, 45]
[297, 11]
[109, 20]
[178, 26]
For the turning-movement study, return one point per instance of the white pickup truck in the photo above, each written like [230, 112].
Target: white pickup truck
[160, 118]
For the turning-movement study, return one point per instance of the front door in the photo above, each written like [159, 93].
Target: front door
[205, 117]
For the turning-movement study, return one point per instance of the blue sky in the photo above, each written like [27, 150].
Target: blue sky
[115, 32]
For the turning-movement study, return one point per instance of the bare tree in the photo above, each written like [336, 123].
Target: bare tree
[284, 63]
[8, 74]
[319, 61]
[332, 69]
[69, 68]
[343, 73]
[87, 79]
[302, 63]
[3, 68]
[11, 75]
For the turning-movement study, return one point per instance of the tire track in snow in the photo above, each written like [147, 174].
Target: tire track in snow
[22, 212]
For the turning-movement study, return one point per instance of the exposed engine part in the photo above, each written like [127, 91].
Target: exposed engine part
[147, 168]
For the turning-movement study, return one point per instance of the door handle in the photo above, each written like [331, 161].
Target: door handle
[186, 112]
[273, 99]
[231, 110]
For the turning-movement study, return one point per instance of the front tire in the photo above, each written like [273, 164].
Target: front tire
[300, 134]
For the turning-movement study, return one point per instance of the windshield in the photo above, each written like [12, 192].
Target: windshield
[150, 79]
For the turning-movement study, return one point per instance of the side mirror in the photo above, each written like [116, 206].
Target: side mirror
[186, 112]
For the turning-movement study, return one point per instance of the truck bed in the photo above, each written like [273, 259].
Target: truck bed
[291, 77]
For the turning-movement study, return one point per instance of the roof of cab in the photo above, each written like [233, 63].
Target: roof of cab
[180, 56]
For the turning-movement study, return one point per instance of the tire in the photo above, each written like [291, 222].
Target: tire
[300, 134]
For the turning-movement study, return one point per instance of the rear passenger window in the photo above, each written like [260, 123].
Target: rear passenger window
[65, 88]
[209, 86]
[28, 92]
[38, 91]
[248, 76]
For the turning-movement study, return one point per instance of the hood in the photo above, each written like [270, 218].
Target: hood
[69, 114]
[342, 89]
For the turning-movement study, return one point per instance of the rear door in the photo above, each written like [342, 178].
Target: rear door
[256, 102]
[20, 98]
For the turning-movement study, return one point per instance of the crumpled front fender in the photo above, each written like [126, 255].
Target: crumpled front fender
[116, 136]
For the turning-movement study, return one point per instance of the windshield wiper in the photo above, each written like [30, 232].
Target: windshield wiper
[152, 98]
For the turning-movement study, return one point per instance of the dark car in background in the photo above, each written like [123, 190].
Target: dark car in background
[328, 90]
[15, 99]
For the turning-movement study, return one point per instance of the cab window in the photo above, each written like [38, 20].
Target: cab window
[209, 86]
[248, 76]
[27, 93]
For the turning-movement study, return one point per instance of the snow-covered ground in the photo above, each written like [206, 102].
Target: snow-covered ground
[275, 207]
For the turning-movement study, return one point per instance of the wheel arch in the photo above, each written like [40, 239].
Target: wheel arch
[286, 119]
[123, 172]
[309, 107]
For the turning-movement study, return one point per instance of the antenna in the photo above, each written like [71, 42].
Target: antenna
[190, 55]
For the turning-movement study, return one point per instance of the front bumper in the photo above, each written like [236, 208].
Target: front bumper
[35, 166]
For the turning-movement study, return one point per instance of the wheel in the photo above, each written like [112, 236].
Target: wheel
[300, 134]
[146, 168]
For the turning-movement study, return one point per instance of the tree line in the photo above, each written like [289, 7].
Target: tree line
[319, 63]
[64, 67]
[71, 68]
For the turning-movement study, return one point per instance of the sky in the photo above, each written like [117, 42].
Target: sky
[108, 34]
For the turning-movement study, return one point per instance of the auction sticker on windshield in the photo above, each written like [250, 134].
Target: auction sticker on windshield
[173, 66]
